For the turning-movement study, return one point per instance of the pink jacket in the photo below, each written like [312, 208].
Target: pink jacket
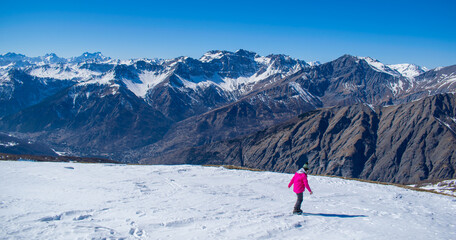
[300, 182]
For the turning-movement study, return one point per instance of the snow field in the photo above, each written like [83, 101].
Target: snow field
[106, 201]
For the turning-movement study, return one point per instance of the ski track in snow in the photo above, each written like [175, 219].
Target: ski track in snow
[107, 201]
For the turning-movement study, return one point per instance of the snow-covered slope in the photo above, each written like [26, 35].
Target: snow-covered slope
[103, 201]
[63, 72]
[380, 67]
[408, 70]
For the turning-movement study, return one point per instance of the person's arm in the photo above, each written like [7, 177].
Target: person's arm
[306, 184]
[291, 182]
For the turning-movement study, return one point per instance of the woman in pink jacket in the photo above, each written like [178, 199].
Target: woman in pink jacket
[300, 183]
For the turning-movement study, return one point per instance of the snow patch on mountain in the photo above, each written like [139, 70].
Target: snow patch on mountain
[446, 186]
[8, 144]
[448, 78]
[303, 94]
[408, 70]
[244, 84]
[238, 84]
[63, 72]
[351, 87]
[5, 68]
[4, 77]
[442, 122]
[314, 63]
[194, 83]
[105, 79]
[266, 61]
[380, 67]
[148, 80]
[397, 87]
[211, 55]
[439, 80]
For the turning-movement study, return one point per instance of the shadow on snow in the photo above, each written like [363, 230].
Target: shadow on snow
[332, 215]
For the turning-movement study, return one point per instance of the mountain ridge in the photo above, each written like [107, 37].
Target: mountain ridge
[144, 108]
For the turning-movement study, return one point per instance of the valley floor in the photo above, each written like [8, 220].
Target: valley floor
[98, 201]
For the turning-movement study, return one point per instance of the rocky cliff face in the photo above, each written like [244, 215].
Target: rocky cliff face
[403, 144]
[349, 80]
[416, 141]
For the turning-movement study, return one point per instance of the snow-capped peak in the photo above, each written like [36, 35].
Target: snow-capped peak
[380, 67]
[217, 54]
[242, 52]
[96, 57]
[314, 63]
[211, 55]
[8, 58]
[50, 58]
[408, 70]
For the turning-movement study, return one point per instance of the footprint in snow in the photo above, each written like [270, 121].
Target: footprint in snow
[66, 214]
[137, 232]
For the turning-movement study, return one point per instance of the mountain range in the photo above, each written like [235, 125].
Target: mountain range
[185, 110]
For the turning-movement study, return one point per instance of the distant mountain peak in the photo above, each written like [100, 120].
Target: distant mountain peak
[11, 56]
[95, 54]
[86, 56]
[50, 55]
[214, 54]
[51, 58]
[348, 56]
[218, 54]
[314, 63]
[242, 52]
[347, 59]
[408, 70]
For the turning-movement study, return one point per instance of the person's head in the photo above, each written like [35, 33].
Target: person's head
[305, 166]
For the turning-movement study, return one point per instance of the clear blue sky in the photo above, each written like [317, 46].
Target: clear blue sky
[420, 32]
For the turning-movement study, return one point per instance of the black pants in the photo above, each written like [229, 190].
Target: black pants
[297, 206]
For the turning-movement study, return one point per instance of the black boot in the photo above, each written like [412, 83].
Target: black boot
[297, 211]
